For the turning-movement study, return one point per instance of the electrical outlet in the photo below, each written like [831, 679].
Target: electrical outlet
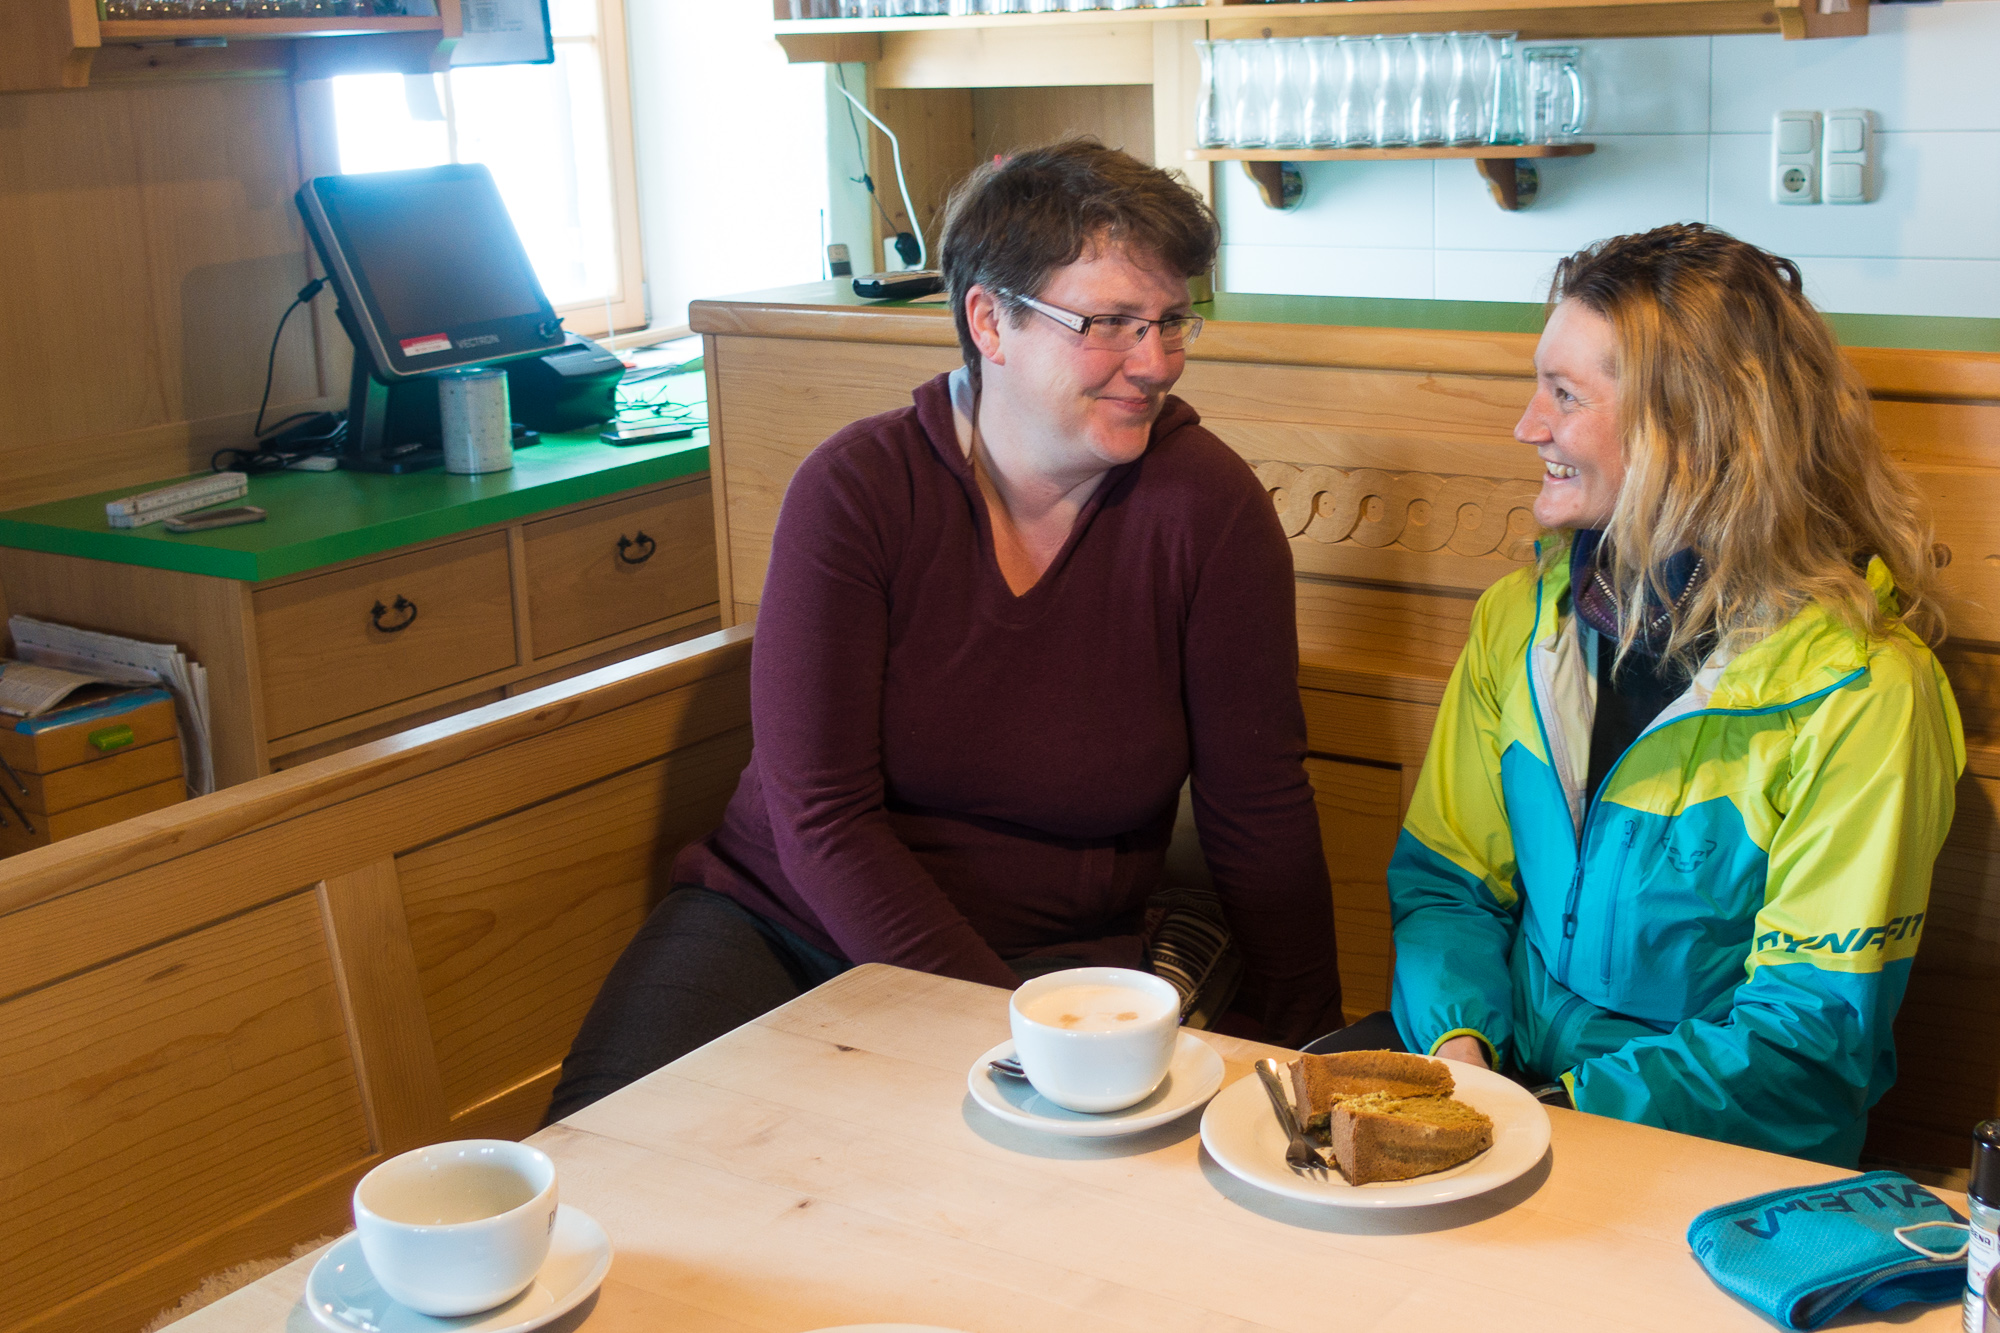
[1847, 173]
[1795, 137]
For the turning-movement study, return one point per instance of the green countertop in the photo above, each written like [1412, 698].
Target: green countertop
[1923, 332]
[322, 518]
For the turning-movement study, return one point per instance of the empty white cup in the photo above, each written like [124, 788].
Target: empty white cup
[1095, 1039]
[460, 1227]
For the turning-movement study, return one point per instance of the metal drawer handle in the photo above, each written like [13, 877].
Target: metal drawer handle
[644, 546]
[404, 605]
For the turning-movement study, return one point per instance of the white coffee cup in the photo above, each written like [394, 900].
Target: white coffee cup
[457, 1227]
[1095, 1038]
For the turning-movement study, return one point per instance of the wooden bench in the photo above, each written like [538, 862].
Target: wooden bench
[214, 1018]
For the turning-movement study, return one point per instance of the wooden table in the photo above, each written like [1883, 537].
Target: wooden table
[824, 1166]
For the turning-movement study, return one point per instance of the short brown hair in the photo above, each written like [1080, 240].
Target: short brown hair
[1748, 437]
[1015, 221]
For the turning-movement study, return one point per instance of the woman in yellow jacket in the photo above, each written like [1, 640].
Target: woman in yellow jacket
[1672, 843]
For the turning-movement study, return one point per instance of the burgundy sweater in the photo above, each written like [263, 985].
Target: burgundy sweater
[947, 776]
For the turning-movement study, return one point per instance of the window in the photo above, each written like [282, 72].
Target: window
[557, 138]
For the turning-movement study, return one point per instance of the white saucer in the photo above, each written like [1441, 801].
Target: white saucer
[1242, 1134]
[1192, 1078]
[343, 1297]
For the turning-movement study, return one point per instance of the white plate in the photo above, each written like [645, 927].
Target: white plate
[1242, 1134]
[343, 1296]
[1192, 1078]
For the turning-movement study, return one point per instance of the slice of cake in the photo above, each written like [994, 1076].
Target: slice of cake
[1381, 1136]
[1318, 1081]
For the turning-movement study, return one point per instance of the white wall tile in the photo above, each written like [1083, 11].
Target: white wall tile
[1646, 85]
[1939, 199]
[1631, 183]
[1374, 204]
[1929, 67]
[1325, 270]
[1496, 275]
[1966, 287]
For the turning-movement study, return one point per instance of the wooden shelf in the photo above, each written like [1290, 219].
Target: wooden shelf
[236, 30]
[1533, 19]
[56, 43]
[1508, 167]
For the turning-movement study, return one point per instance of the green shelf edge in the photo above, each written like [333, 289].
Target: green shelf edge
[1939, 333]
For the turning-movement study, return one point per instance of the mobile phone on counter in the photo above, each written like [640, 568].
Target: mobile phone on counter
[899, 286]
[215, 518]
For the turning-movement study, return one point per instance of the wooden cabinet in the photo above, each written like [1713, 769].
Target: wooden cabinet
[608, 568]
[320, 661]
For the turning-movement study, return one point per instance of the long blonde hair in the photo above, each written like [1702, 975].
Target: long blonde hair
[1748, 438]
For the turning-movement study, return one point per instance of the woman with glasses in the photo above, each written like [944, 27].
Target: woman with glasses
[1001, 628]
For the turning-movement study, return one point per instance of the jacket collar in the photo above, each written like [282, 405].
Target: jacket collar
[1809, 654]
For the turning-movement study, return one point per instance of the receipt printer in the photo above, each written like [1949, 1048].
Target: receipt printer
[567, 389]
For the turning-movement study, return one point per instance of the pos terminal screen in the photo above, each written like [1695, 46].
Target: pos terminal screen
[432, 267]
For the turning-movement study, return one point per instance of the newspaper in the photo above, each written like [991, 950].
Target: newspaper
[123, 661]
[30, 691]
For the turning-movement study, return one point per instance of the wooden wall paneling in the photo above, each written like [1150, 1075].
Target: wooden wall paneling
[1360, 814]
[152, 246]
[1005, 120]
[1939, 434]
[209, 618]
[1391, 642]
[515, 923]
[934, 127]
[1947, 1065]
[384, 1003]
[1416, 403]
[156, 1097]
[784, 397]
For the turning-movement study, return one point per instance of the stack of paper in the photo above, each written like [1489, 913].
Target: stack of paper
[130, 662]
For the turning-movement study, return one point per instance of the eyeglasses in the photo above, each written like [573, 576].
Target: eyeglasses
[1116, 332]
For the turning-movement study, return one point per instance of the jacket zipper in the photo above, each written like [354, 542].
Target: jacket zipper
[1575, 893]
[1611, 907]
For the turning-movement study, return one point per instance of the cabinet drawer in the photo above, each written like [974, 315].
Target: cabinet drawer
[359, 638]
[618, 566]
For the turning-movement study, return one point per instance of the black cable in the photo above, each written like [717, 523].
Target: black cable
[864, 180]
[306, 293]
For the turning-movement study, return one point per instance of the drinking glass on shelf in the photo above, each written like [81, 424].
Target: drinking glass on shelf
[1287, 97]
[1209, 131]
[1353, 112]
[1430, 85]
[1249, 102]
[1323, 92]
[1553, 101]
[1389, 115]
[1472, 56]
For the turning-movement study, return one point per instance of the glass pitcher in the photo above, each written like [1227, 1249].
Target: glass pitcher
[1553, 103]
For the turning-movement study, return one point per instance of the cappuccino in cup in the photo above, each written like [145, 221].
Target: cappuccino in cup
[1095, 1039]
[456, 1228]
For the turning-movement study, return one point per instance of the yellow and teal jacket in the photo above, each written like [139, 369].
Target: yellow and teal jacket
[1717, 940]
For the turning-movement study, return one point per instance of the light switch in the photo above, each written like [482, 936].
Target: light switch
[1847, 169]
[1795, 157]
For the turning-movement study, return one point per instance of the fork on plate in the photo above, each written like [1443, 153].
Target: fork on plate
[1300, 1155]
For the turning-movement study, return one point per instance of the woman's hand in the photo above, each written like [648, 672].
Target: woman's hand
[1467, 1049]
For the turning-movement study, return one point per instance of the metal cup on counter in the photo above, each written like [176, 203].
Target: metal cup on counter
[1389, 91]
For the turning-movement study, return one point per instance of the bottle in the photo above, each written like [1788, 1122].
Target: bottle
[1982, 1209]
